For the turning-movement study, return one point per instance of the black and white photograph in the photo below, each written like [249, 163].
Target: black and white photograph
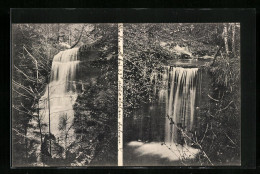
[130, 89]
[64, 94]
[182, 94]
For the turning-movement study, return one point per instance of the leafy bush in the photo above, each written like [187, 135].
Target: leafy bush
[220, 126]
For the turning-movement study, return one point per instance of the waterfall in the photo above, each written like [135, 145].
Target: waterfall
[59, 98]
[174, 97]
[177, 92]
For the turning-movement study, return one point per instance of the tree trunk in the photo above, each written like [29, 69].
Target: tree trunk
[233, 39]
[58, 33]
[48, 59]
[39, 121]
[69, 37]
[145, 69]
[215, 56]
[26, 144]
[79, 37]
[38, 109]
[49, 115]
[225, 36]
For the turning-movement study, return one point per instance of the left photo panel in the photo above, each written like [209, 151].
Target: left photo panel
[64, 94]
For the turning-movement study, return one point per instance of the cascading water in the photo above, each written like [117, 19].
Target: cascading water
[169, 116]
[180, 103]
[175, 88]
[59, 98]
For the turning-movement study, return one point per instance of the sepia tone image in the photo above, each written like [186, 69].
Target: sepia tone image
[182, 94]
[180, 104]
[64, 94]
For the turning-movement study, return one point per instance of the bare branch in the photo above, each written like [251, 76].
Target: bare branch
[29, 78]
[21, 93]
[22, 111]
[225, 107]
[29, 138]
[79, 37]
[230, 139]
[204, 133]
[213, 98]
[28, 90]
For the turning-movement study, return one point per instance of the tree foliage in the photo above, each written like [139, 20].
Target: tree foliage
[96, 106]
[220, 119]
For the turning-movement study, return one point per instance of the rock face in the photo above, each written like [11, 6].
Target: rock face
[88, 53]
[178, 52]
[182, 50]
[185, 51]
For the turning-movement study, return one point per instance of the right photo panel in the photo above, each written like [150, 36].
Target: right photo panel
[181, 94]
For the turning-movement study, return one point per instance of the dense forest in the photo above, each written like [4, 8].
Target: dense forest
[34, 47]
[149, 47]
[39, 49]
